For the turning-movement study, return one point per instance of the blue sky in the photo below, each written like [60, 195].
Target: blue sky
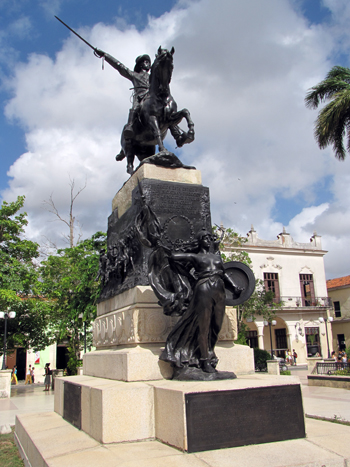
[31, 27]
[241, 68]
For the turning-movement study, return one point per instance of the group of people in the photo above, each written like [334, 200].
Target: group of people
[291, 357]
[30, 378]
[340, 356]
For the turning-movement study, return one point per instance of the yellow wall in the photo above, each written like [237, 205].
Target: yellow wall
[343, 297]
[340, 328]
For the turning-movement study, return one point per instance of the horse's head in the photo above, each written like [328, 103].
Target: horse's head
[164, 53]
[162, 70]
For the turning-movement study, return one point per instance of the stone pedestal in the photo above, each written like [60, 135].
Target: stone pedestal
[141, 362]
[273, 367]
[5, 384]
[125, 394]
[192, 416]
[312, 362]
[134, 317]
[181, 205]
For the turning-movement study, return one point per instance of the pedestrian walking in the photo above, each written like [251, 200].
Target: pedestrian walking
[29, 375]
[14, 379]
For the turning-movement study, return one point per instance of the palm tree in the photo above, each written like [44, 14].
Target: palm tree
[333, 121]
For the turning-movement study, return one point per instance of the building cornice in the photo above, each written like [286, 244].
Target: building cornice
[276, 249]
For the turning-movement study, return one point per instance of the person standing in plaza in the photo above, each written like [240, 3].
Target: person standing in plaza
[47, 377]
[295, 356]
[29, 375]
[32, 374]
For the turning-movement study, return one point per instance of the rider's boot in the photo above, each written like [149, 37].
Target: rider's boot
[128, 131]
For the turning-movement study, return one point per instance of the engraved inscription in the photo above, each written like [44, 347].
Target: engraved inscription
[241, 417]
[183, 201]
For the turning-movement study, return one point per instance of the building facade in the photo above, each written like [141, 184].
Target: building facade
[295, 273]
[339, 292]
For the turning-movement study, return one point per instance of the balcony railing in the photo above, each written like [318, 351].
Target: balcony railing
[329, 368]
[295, 302]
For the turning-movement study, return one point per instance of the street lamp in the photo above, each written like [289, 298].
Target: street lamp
[5, 315]
[268, 323]
[81, 316]
[325, 320]
[298, 330]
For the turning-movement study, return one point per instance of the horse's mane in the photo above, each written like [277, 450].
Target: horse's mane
[157, 62]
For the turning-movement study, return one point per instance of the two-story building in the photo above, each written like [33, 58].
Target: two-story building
[295, 273]
[339, 292]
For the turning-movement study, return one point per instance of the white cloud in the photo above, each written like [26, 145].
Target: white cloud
[20, 28]
[241, 68]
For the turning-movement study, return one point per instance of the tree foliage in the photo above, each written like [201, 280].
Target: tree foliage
[261, 303]
[333, 121]
[230, 246]
[69, 284]
[19, 281]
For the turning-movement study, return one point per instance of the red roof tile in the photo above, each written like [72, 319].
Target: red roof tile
[339, 282]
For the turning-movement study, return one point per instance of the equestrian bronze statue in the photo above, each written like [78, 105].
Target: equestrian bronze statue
[154, 111]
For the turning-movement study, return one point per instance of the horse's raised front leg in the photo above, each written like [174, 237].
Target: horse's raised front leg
[181, 137]
[188, 118]
[153, 123]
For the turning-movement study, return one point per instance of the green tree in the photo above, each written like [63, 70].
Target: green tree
[20, 288]
[261, 303]
[230, 246]
[333, 121]
[69, 284]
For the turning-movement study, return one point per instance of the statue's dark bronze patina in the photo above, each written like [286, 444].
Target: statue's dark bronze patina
[169, 245]
[153, 112]
[190, 281]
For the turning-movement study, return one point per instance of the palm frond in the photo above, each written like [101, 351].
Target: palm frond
[330, 126]
[325, 90]
[340, 73]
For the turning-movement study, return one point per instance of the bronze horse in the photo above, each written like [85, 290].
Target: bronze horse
[157, 113]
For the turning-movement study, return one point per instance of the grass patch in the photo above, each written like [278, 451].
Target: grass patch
[285, 372]
[9, 455]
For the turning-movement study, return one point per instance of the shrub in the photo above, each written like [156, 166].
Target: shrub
[342, 372]
[260, 359]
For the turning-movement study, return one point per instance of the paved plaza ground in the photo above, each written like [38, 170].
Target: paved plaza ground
[326, 445]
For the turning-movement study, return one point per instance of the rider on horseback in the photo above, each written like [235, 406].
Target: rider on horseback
[139, 78]
[147, 109]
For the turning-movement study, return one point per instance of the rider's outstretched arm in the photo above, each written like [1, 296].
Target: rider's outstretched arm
[123, 70]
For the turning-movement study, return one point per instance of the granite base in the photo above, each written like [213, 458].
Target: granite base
[192, 416]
